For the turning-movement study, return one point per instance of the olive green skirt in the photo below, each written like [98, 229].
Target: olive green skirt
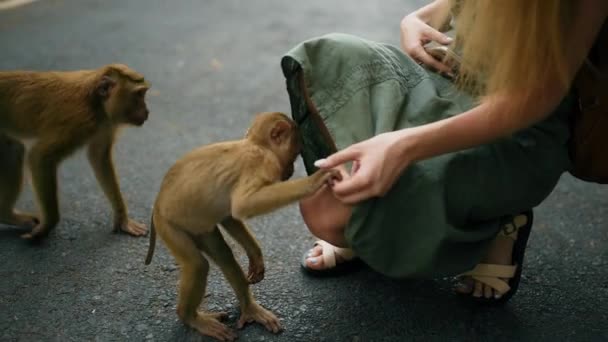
[440, 216]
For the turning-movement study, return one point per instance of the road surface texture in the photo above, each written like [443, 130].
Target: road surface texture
[213, 64]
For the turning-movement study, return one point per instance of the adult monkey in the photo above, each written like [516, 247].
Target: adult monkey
[62, 111]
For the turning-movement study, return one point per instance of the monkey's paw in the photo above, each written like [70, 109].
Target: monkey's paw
[209, 324]
[256, 313]
[38, 233]
[256, 271]
[19, 219]
[322, 177]
[131, 227]
[335, 175]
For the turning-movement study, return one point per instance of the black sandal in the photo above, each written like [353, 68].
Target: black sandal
[491, 274]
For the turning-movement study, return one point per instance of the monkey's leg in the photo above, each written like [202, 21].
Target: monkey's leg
[192, 284]
[100, 158]
[12, 153]
[247, 202]
[241, 234]
[44, 158]
[217, 249]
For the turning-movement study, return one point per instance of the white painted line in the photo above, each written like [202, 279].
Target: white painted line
[14, 3]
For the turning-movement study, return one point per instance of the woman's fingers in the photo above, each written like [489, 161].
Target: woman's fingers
[425, 58]
[343, 175]
[352, 190]
[359, 186]
[437, 36]
[348, 154]
[355, 190]
[355, 167]
[414, 34]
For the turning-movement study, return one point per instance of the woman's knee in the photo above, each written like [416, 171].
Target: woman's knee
[325, 216]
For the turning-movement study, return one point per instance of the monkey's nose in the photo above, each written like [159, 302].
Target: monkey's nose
[143, 117]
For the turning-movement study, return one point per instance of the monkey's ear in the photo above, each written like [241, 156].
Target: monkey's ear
[104, 86]
[280, 132]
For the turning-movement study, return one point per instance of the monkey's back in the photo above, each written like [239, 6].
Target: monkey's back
[197, 188]
[29, 101]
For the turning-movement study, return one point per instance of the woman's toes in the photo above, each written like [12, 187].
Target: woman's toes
[464, 286]
[315, 251]
[314, 258]
[478, 291]
[315, 262]
[488, 292]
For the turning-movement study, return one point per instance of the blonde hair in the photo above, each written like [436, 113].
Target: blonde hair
[510, 45]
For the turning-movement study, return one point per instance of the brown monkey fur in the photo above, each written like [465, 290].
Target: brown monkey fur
[224, 184]
[60, 112]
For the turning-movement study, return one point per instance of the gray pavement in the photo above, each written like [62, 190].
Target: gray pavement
[212, 65]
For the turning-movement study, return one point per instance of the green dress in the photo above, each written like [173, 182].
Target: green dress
[440, 216]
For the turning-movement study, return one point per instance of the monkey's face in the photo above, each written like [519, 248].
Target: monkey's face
[286, 140]
[290, 150]
[127, 104]
[277, 132]
[137, 111]
[124, 98]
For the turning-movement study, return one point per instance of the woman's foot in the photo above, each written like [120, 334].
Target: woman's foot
[325, 258]
[498, 273]
[325, 216]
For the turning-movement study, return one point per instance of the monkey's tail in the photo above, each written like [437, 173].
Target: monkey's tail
[152, 241]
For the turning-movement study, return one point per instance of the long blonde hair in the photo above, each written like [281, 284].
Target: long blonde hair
[513, 44]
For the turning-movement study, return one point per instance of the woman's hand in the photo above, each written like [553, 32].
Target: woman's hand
[415, 33]
[377, 163]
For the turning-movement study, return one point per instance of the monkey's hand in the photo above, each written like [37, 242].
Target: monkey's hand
[39, 232]
[256, 313]
[256, 270]
[130, 227]
[322, 177]
[19, 219]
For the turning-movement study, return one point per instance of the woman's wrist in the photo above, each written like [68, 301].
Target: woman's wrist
[407, 146]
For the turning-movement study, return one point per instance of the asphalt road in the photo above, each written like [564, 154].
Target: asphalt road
[213, 64]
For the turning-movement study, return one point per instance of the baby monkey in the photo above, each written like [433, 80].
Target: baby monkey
[225, 184]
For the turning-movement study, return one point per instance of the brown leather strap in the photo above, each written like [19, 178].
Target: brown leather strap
[590, 120]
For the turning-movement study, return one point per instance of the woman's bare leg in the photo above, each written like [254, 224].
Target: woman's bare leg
[326, 218]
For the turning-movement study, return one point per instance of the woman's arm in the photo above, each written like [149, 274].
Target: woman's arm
[503, 114]
[380, 160]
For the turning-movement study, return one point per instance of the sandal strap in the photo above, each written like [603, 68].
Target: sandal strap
[490, 275]
[493, 270]
[511, 228]
[330, 251]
